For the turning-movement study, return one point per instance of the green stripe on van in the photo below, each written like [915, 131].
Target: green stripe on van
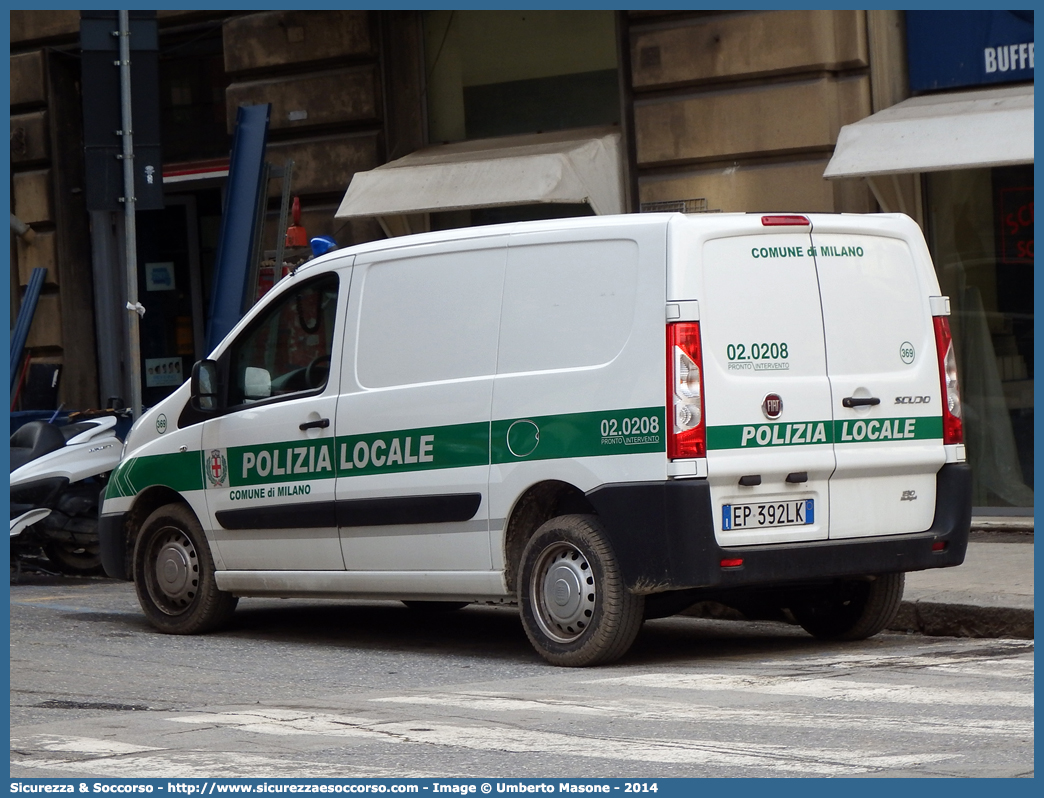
[609, 432]
[595, 434]
[180, 471]
[395, 451]
[861, 431]
[421, 449]
[754, 436]
[801, 433]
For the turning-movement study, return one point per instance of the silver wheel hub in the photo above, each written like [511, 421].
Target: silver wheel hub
[563, 592]
[175, 576]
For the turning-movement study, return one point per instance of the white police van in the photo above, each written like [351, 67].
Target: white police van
[604, 419]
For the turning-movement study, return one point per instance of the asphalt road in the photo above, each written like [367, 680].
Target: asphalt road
[339, 689]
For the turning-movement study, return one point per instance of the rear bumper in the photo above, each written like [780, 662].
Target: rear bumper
[663, 535]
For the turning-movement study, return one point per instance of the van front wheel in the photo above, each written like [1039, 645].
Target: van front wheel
[851, 610]
[174, 574]
[575, 607]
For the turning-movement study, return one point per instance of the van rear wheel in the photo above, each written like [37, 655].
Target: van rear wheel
[575, 607]
[174, 574]
[851, 610]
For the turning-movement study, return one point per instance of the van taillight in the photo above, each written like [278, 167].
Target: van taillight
[688, 432]
[953, 430]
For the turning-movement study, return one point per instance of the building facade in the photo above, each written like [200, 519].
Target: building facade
[964, 139]
[703, 112]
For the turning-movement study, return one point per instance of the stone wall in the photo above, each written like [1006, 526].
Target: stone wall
[740, 111]
[324, 75]
[47, 194]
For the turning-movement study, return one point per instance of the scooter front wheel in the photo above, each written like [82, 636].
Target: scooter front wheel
[174, 574]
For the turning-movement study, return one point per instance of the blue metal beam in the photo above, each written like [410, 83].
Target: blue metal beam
[235, 244]
[24, 321]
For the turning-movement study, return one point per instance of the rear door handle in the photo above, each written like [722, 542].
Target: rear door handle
[322, 423]
[860, 401]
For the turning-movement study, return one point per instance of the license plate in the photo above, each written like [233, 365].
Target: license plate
[793, 512]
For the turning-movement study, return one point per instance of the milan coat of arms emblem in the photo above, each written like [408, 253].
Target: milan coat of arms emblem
[216, 469]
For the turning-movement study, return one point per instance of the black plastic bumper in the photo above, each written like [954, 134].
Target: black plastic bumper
[112, 539]
[663, 535]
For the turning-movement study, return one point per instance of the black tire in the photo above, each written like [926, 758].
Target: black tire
[436, 606]
[174, 574]
[575, 608]
[851, 610]
[73, 560]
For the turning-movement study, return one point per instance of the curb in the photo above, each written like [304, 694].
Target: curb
[962, 620]
[1001, 523]
[929, 618]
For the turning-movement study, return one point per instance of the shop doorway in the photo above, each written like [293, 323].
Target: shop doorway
[981, 237]
[176, 246]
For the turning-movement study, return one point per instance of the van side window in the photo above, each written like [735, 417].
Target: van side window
[287, 350]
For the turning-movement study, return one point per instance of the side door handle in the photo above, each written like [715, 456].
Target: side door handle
[860, 401]
[322, 423]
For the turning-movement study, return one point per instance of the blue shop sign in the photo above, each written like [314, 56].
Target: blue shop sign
[948, 49]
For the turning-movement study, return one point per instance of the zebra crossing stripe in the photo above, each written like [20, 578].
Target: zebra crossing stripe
[85, 745]
[651, 710]
[778, 758]
[110, 759]
[826, 688]
[1005, 661]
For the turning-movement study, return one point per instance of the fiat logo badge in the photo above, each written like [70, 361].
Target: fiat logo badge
[772, 407]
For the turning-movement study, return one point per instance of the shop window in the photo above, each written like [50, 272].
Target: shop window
[192, 96]
[981, 236]
[502, 73]
[497, 73]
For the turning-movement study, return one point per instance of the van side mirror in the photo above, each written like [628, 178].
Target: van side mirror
[204, 387]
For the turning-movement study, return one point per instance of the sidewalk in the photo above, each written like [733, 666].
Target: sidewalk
[990, 595]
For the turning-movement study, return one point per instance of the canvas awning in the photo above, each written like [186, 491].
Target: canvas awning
[963, 130]
[573, 166]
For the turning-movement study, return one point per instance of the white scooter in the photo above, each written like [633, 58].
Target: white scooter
[57, 476]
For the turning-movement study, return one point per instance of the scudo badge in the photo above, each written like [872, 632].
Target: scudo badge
[772, 407]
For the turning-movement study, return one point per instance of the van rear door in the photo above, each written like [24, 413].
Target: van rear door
[876, 280]
[767, 395]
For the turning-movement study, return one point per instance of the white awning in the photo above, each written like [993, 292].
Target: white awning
[573, 166]
[965, 130]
